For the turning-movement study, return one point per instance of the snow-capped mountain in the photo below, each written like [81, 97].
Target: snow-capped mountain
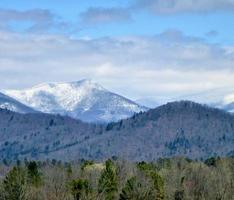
[85, 100]
[9, 103]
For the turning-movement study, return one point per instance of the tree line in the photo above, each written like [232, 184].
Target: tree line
[116, 179]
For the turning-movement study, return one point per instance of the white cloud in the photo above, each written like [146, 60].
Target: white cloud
[39, 20]
[169, 64]
[99, 15]
[185, 6]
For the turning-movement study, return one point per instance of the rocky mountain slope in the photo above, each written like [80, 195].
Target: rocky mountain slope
[85, 100]
[175, 129]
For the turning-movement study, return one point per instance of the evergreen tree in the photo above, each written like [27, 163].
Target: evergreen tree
[150, 171]
[136, 190]
[86, 163]
[158, 185]
[80, 189]
[108, 181]
[34, 176]
[14, 184]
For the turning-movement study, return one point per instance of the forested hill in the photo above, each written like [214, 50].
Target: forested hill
[175, 129]
[31, 135]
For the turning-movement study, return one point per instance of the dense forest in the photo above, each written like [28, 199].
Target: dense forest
[164, 179]
[176, 129]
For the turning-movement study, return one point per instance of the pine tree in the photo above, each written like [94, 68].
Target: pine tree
[14, 184]
[135, 190]
[80, 189]
[158, 185]
[150, 172]
[34, 176]
[108, 181]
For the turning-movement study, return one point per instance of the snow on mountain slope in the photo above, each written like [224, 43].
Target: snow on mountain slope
[13, 105]
[85, 100]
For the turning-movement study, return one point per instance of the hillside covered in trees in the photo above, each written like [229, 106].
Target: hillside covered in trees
[175, 129]
[166, 179]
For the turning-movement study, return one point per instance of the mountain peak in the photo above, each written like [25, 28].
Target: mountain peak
[84, 99]
[84, 83]
[87, 83]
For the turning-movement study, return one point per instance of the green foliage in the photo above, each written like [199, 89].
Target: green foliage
[137, 190]
[166, 179]
[163, 163]
[211, 161]
[80, 189]
[14, 184]
[158, 184]
[34, 177]
[130, 190]
[150, 171]
[86, 163]
[179, 195]
[108, 181]
[145, 166]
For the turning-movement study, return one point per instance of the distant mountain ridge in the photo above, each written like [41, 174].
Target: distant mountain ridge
[175, 129]
[9, 103]
[222, 98]
[84, 100]
[88, 101]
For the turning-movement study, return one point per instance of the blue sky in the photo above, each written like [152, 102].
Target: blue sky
[163, 45]
[142, 22]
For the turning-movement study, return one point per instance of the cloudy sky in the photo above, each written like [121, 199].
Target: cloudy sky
[137, 48]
